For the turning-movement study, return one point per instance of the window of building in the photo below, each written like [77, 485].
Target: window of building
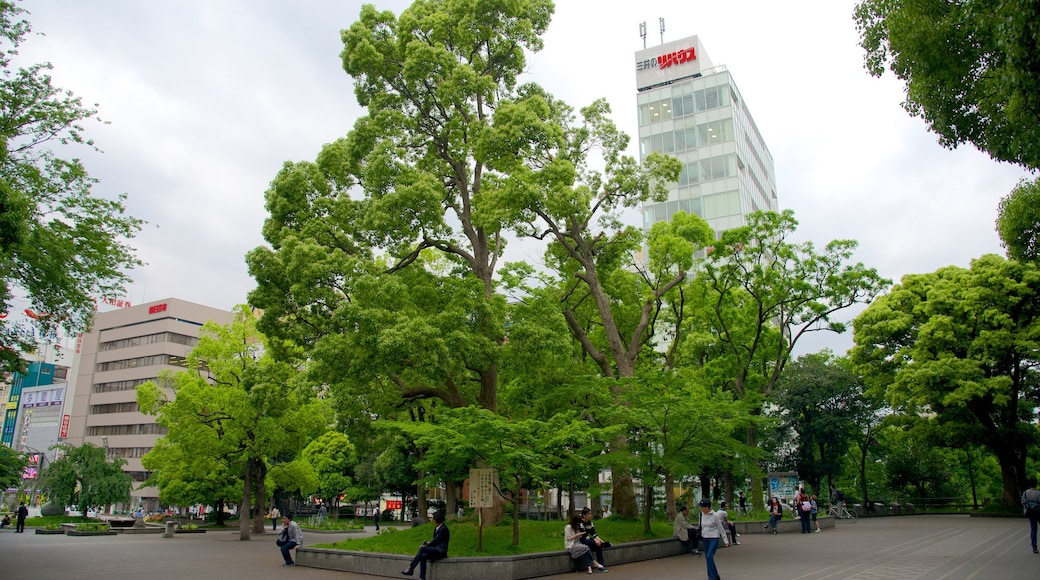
[114, 408]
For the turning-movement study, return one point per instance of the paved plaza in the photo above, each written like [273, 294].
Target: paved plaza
[932, 547]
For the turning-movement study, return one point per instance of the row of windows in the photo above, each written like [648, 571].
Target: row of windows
[709, 169]
[149, 339]
[683, 105]
[115, 386]
[136, 429]
[142, 361]
[114, 408]
[702, 135]
[139, 476]
[127, 452]
[712, 206]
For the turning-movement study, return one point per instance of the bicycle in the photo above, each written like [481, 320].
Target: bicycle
[840, 512]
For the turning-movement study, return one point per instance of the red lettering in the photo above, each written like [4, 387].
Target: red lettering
[677, 57]
[157, 308]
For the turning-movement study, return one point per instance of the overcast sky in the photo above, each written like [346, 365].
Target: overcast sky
[206, 99]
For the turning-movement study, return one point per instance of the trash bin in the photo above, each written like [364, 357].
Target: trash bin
[170, 526]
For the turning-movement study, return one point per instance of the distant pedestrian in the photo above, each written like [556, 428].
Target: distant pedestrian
[291, 539]
[275, 514]
[23, 512]
[804, 507]
[375, 516]
[460, 512]
[712, 531]
[322, 513]
[815, 510]
[742, 503]
[1030, 506]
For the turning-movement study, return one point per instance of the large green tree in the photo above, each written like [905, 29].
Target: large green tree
[12, 467]
[1018, 221]
[961, 345]
[82, 476]
[764, 292]
[61, 246]
[237, 405]
[971, 68]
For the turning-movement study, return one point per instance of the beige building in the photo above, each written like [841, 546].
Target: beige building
[125, 348]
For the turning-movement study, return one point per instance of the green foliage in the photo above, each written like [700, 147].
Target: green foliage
[970, 68]
[1018, 221]
[93, 527]
[12, 466]
[332, 458]
[232, 412]
[60, 246]
[84, 477]
[52, 509]
[961, 345]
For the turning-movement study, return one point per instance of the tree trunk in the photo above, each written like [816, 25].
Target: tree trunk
[451, 491]
[244, 508]
[757, 502]
[648, 502]
[261, 497]
[570, 500]
[669, 495]
[421, 503]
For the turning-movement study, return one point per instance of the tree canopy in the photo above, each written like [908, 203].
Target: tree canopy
[961, 345]
[61, 246]
[1018, 221]
[971, 68]
[84, 477]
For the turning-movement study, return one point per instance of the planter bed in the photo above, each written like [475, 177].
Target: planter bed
[75, 533]
[183, 531]
[43, 532]
[481, 568]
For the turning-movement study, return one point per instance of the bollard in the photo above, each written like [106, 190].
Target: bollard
[169, 529]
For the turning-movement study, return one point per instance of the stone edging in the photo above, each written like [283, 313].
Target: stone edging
[481, 568]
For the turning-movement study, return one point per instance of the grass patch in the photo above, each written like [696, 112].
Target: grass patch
[44, 521]
[92, 527]
[330, 524]
[535, 537]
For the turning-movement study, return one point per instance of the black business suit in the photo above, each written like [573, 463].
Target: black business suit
[435, 549]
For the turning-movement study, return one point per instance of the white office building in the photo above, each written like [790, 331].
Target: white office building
[691, 109]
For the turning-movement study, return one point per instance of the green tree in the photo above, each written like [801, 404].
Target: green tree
[188, 478]
[61, 247]
[763, 293]
[332, 456]
[12, 466]
[83, 477]
[820, 396]
[961, 345]
[237, 405]
[971, 67]
[1018, 221]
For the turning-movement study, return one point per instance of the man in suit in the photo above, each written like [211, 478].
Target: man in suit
[23, 512]
[435, 549]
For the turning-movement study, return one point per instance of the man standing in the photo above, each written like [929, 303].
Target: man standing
[804, 508]
[274, 518]
[1030, 505]
[435, 549]
[322, 512]
[23, 512]
[293, 536]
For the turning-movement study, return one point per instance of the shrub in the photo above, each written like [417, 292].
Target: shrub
[52, 509]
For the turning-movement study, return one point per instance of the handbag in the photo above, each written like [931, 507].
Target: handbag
[283, 538]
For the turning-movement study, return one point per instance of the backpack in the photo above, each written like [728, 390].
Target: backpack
[1032, 509]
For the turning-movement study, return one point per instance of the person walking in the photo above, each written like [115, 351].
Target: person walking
[274, 518]
[292, 536]
[435, 549]
[712, 532]
[23, 512]
[1030, 506]
[375, 516]
[742, 503]
[322, 514]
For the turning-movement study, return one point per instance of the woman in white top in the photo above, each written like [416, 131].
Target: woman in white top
[711, 532]
[572, 543]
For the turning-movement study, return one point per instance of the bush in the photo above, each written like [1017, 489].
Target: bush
[94, 527]
[52, 509]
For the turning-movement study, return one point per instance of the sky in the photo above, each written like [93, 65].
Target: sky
[204, 100]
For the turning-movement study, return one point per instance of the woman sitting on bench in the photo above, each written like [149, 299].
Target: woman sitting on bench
[574, 547]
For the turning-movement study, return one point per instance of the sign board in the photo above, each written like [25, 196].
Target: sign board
[64, 426]
[783, 485]
[394, 504]
[481, 488]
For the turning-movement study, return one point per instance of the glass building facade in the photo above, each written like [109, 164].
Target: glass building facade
[692, 110]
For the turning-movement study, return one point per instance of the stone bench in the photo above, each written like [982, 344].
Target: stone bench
[481, 568]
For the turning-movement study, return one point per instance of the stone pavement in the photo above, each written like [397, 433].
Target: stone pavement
[893, 548]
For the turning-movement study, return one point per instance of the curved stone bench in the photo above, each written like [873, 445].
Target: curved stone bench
[481, 568]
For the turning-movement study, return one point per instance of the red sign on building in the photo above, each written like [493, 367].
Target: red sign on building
[393, 504]
[157, 308]
[64, 426]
